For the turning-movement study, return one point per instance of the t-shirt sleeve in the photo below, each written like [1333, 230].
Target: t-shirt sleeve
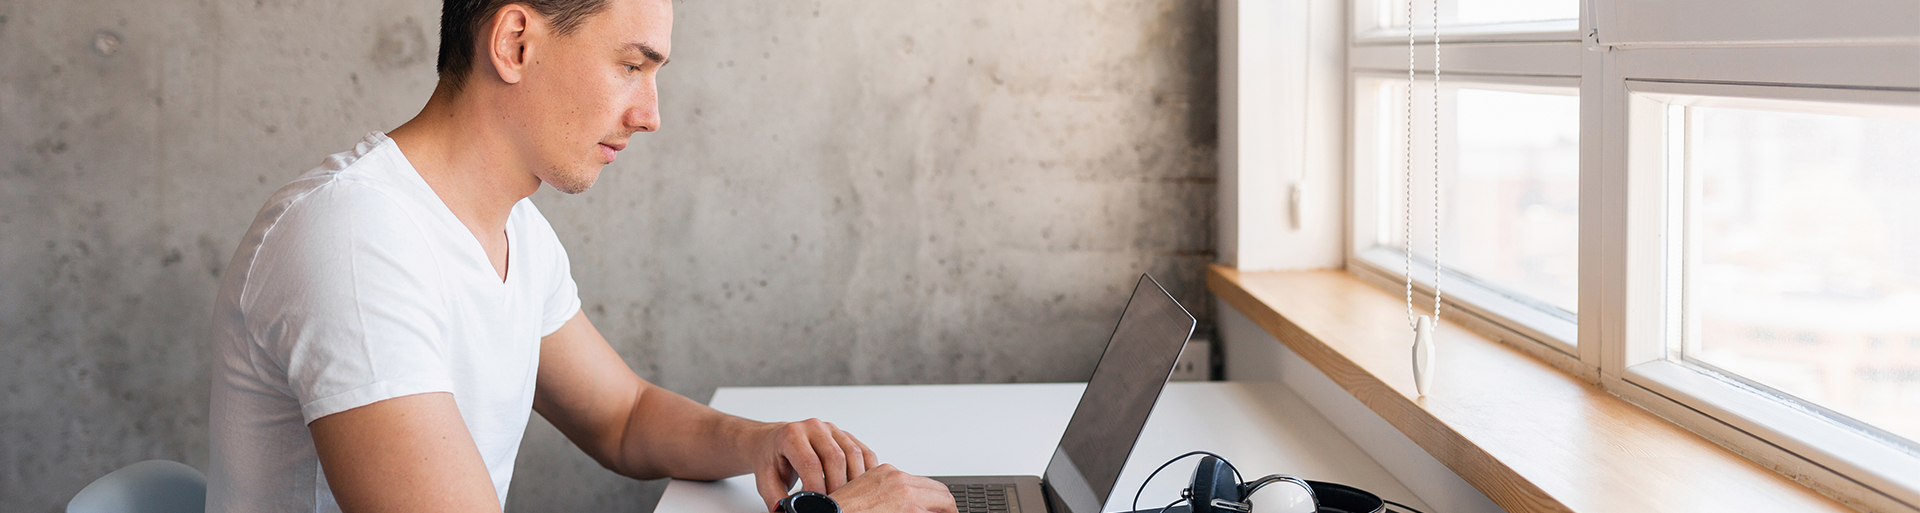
[562, 299]
[343, 299]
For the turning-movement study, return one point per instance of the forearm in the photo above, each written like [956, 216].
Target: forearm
[643, 431]
[669, 435]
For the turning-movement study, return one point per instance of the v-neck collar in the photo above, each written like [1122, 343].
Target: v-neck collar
[473, 247]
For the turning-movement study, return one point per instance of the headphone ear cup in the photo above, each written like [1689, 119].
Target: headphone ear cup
[1213, 479]
[1224, 485]
[1202, 488]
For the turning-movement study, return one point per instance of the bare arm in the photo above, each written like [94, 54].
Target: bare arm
[629, 425]
[409, 453]
[643, 431]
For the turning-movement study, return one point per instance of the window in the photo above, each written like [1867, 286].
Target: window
[1516, 192]
[1707, 206]
[1801, 254]
[1509, 160]
[1511, 163]
[1773, 260]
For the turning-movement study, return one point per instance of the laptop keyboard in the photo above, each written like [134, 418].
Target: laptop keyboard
[984, 498]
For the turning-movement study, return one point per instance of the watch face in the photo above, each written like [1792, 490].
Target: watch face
[810, 502]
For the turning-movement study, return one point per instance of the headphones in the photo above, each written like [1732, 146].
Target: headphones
[1218, 488]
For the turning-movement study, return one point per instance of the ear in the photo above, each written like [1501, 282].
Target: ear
[507, 41]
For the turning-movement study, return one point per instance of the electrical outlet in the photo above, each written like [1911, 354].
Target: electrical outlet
[1196, 361]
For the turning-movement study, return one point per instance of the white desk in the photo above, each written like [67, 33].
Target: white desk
[1262, 427]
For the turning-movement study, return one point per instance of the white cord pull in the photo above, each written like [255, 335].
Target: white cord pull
[1293, 205]
[1423, 354]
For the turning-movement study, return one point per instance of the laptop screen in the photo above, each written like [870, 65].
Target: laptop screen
[1137, 362]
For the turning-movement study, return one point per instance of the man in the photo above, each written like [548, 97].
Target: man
[392, 317]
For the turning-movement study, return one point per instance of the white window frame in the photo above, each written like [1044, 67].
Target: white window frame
[1507, 56]
[1798, 439]
[1631, 59]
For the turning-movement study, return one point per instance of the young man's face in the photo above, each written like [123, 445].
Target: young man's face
[590, 90]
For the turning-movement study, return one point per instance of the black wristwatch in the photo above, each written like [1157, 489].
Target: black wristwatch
[808, 502]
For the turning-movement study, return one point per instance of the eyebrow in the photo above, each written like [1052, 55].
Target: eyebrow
[648, 51]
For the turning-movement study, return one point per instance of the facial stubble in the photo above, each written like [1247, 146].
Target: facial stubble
[571, 181]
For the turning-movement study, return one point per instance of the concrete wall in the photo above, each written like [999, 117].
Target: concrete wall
[843, 192]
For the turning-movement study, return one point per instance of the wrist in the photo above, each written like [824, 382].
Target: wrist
[749, 438]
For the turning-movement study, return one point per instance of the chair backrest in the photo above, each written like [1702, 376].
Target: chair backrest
[152, 486]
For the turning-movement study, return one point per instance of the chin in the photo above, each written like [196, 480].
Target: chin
[572, 181]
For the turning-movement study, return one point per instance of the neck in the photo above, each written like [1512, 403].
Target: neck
[467, 157]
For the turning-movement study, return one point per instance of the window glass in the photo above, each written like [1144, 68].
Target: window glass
[1474, 12]
[1511, 186]
[1803, 257]
[1477, 12]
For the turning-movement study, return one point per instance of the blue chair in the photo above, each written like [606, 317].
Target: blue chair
[152, 486]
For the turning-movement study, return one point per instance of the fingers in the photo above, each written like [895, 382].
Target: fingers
[799, 452]
[859, 458]
[773, 482]
[822, 456]
[833, 459]
[873, 458]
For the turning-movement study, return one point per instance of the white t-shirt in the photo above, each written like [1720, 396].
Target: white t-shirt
[356, 284]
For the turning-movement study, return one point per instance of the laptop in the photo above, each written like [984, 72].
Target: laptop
[1134, 368]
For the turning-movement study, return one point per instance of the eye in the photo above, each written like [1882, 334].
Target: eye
[632, 68]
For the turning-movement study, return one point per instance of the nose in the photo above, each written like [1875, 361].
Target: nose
[644, 114]
[643, 118]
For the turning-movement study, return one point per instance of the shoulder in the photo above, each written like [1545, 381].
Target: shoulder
[352, 196]
[345, 210]
[344, 183]
[340, 221]
[337, 246]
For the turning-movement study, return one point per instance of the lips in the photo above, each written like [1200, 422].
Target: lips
[607, 151]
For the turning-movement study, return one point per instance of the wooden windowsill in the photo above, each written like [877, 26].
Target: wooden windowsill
[1529, 436]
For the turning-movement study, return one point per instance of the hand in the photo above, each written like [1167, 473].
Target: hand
[821, 456]
[884, 489]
